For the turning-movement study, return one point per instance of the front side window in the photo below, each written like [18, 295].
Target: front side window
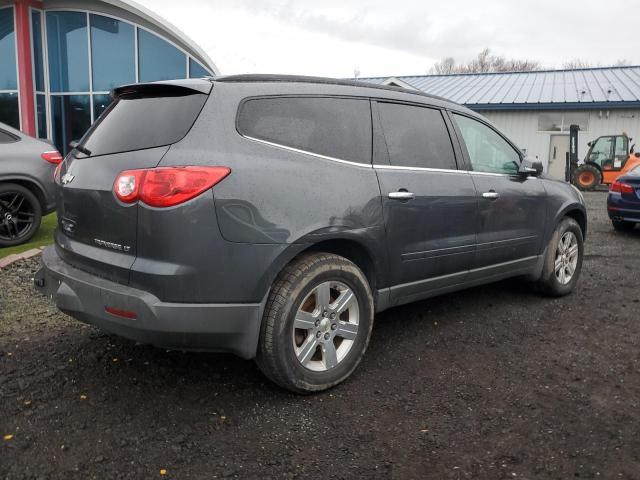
[334, 127]
[416, 136]
[602, 151]
[488, 151]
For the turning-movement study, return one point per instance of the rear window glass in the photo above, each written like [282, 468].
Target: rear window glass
[334, 127]
[6, 137]
[134, 122]
[416, 137]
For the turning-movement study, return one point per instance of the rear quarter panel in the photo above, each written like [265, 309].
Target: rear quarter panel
[275, 196]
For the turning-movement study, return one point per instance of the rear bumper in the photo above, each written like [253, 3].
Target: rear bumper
[620, 209]
[231, 328]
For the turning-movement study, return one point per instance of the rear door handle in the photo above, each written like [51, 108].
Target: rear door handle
[491, 195]
[401, 195]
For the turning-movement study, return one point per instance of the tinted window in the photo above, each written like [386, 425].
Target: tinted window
[112, 53]
[8, 79]
[68, 51]
[41, 115]
[9, 110]
[416, 136]
[488, 151]
[71, 116]
[38, 58]
[6, 137]
[333, 127]
[196, 70]
[100, 104]
[159, 60]
[134, 123]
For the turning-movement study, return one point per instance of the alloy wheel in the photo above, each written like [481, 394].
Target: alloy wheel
[326, 326]
[17, 216]
[566, 258]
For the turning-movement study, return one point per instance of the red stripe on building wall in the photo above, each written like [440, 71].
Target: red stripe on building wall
[25, 67]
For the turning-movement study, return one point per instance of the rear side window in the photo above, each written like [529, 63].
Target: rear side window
[416, 136]
[136, 122]
[334, 127]
[6, 137]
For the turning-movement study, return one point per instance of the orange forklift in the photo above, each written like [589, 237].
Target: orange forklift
[608, 158]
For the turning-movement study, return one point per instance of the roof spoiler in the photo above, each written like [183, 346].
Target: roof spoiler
[169, 88]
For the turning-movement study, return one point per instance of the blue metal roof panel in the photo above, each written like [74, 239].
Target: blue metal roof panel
[619, 85]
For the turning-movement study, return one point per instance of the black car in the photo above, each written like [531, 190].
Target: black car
[26, 184]
[272, 217]
[623, 202]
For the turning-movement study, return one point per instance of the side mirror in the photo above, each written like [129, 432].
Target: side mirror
[530, 167]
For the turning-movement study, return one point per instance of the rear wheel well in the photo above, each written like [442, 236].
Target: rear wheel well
[579, 217]
[352, 251]
[33, 188]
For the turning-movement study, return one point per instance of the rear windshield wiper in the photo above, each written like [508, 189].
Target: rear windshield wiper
[76, 146]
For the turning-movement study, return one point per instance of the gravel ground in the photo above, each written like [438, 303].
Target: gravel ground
[494, 382]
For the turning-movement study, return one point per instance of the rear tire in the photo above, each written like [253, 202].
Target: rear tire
[586, 177]
[20, 214]
[317, 323]
[563, 259]
[623, 226]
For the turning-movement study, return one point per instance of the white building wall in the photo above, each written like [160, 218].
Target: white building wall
[522, 128]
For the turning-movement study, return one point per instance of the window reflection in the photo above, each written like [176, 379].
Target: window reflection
[112, 53]
[8, 78]
[9, 110]
[71, 117]
[68, 51]
[159, 60]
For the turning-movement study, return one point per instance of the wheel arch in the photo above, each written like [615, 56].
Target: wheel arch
[575, 211]
[30, 184]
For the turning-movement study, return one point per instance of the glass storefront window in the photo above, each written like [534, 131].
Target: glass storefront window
[71, 118]
[9, 109]
[67, 45]
[196, 70]
[38, 58]
[100, 104]
[112, 53]
[41, 115]
[158, 59]
[8, 75]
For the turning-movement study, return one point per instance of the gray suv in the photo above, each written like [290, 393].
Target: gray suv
[273, 216]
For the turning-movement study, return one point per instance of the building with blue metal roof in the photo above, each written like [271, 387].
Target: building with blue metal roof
[535, 109]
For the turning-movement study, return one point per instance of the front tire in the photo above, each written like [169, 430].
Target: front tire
[563, 259]
[317, 323]
[20, 215]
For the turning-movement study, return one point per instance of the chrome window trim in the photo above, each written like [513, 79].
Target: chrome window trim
[317, 155]
[419, 169]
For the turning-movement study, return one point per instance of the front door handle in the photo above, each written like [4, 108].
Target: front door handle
[401, 195]
[491, 195]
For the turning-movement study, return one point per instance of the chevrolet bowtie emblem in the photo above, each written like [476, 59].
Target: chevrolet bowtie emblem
[67, 178]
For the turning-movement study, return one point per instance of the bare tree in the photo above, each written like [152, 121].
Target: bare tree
[577, 63]
[483, 63]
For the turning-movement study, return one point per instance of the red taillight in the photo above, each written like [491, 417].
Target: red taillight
[620, 187]
[166, 186]
[52, 156]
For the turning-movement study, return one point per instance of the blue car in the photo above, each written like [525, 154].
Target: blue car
[623, 203]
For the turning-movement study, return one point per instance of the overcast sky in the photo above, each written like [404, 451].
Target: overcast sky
[386, 37]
